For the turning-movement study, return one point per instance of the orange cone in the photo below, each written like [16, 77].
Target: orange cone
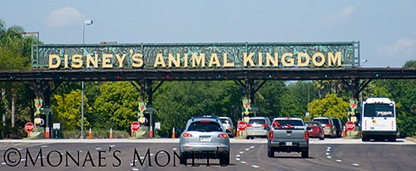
[47, 132]
[173, 132]
[111, 133]
[90, 134]
[344, 133]
[151, 132]
[237, 133]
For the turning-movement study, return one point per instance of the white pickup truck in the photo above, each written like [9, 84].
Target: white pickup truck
[288, 135]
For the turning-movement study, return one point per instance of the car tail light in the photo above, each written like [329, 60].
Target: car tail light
[306, 135]
[187, 135]
[248, 125]
[271, 134]
[264, 125]
[222, 136]
[328, 125]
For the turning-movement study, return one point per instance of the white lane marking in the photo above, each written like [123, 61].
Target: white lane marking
[43, 146]
[161, 152]
[22, 159]
[247, 149]
[112, 146]
[3, 163]
[327, 154]
[20, 149]
[151, 154]
[339, 161]
[328, 150]
[98, 148]
[174, 149]
[252, 147]
[328, 147]
[328, 157]
[80, 151]
[355, 164]
[243, 162]
[140, 158]
[237, 155]
[238, 159]
[241, 152]
[255, 166]
[135, 169]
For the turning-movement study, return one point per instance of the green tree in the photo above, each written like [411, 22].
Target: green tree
[116, 106]
[15, 51]
[331, 106]
[68, 111]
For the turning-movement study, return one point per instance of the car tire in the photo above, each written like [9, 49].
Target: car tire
[322, 138]
[270, 153]
[305, 153]
[225, 160]
[183, 158]
[248, 137]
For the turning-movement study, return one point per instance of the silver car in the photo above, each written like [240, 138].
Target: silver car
[204, 137]
[258, 127]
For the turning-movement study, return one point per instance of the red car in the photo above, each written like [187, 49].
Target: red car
[316, 130]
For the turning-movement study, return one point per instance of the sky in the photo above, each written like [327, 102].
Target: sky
[386, 29]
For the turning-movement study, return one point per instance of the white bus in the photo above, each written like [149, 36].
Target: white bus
[378, 119]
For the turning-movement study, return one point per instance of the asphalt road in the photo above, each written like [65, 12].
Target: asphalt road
[330, 154]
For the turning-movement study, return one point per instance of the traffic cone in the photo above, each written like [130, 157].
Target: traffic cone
[132, 133]
[173, 132]
[237, 133]
[47, 132]
[90, 134]
[344, 133]
[111, 133]
[150, 132]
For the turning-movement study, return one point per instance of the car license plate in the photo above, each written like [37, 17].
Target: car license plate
[289, 143]
[205, 139]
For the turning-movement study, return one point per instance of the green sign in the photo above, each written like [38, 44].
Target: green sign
[190, 56]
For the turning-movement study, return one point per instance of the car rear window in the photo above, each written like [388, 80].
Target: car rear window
[257, 121]
[205, 127]
[290, 122]
[224, 121]
[311, 124]
[322, 121]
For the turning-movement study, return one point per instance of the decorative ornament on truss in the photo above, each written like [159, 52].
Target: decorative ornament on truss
[353, 105]
[246, 105]
[38, 105]
[142, 108]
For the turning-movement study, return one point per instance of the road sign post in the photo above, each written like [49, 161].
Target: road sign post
[350, 126]
[135, 126]
[29, 128]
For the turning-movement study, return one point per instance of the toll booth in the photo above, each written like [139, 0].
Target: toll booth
[43, 124]
[149, 113]
[149, 122]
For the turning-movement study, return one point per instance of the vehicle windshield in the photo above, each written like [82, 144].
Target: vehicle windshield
[257, 121]
[290, 122]
[205, 127]
[322, 121]
[379, 110]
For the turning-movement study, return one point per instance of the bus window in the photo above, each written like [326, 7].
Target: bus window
[378, 110]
